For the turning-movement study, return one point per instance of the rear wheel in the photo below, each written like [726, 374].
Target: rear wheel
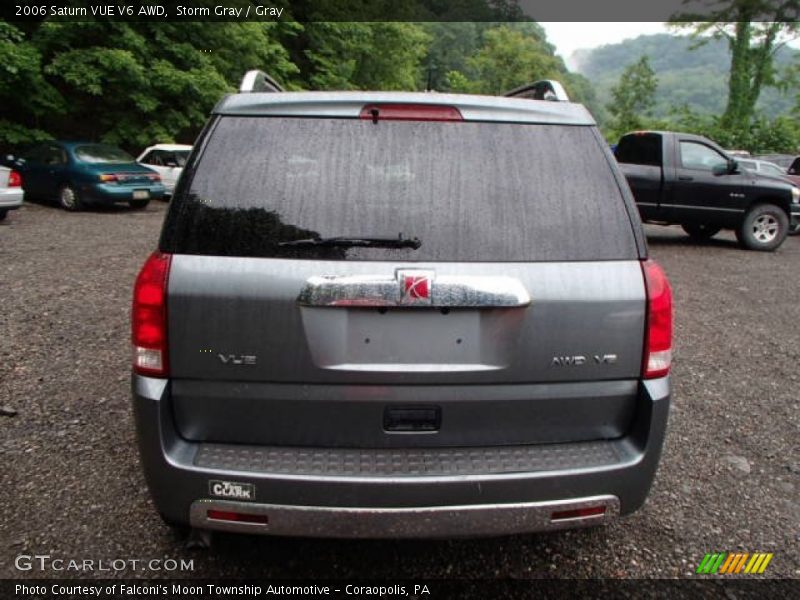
[764, 227]
[181, 530]
[700, 232]
[139, 203]
[68, 199]
[3, 214]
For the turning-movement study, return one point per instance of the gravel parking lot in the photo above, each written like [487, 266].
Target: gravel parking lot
[72, 487]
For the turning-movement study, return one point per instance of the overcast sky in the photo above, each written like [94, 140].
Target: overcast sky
[568, 37]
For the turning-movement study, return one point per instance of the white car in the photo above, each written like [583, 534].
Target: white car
[10, 191]
[167, 160]
[762, 166]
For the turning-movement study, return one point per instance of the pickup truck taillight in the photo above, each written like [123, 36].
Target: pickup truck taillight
[658, 333]
[14, 179]
[149, 317]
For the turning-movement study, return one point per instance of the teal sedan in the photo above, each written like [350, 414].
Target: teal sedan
[79, 174]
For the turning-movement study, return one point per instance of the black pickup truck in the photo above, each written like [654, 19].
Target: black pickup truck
[684, 179]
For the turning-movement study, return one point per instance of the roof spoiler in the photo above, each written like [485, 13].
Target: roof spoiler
[546, 89]
[258, 81]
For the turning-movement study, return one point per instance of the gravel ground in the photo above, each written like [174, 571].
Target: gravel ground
[72, 486]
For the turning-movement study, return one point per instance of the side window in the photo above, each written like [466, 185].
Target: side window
[37, 154]
[748, 164]
[55, 155]
[157, 158]
[148, 158]
[699, 156]
[795, 168]
[773, 170]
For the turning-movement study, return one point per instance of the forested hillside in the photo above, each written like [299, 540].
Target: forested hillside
[697, 78]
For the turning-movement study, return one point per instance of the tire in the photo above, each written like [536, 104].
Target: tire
[701, 232]
[764, 228]
[3, 214]
[139, 204]
[68, 199]
[180, 530]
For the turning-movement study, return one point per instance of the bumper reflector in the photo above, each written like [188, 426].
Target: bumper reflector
[226, 515]
[578, 513]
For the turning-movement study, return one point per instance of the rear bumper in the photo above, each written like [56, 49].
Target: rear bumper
[11, 198]
[110, 193]
[444, 492]
[422, 522]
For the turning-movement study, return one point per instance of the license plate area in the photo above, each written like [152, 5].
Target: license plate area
[410, 340]
[141, 194]
[413, 336]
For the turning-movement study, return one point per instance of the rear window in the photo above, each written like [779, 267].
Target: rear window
[639, 149]
[97, 153]
[467, 191]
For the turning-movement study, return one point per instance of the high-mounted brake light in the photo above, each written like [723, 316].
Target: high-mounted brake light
[149, 317]
[14, 179]
[658, 333]
[410, 112]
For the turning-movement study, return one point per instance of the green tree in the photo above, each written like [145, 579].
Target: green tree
[130, 84]
[451, 44]
[633, 97]
[509, 57]
[355, 55]
[25, 95]
[754, 30]
[763, 136]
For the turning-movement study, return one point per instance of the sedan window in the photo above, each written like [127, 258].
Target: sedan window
[100, 153]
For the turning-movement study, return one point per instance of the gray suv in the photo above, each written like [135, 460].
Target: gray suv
[400, 315]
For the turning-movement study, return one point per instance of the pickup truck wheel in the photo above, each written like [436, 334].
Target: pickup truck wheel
[765, 226]
[700, 232]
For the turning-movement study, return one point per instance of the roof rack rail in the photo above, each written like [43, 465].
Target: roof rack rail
[258, 81]
[546, 89]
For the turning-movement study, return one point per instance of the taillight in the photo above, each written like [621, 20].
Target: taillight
[14, 179]
[410, 112]
[149, 317]
[658, 334]
[154, 176]
[108, 177]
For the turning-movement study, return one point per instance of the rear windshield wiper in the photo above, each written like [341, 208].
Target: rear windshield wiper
[357, 242]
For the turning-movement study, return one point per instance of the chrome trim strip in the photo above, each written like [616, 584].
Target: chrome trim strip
[415, 522]
[736, 210]
[445, 291]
